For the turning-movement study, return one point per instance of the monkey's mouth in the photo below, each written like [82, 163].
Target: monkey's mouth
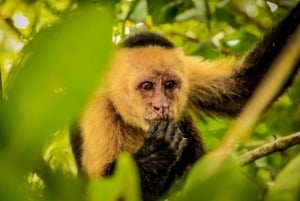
[159, 119]
[153, 117]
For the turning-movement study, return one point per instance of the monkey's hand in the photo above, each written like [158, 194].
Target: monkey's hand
[163, 146]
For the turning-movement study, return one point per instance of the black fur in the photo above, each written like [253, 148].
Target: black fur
[169, 150]
[146, 39]
[76, 143]
[190, 154]
[110, 169]
[259, 60]
[163, 146]
[243, 82]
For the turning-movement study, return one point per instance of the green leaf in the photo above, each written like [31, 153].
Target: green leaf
[138, 11]
[224, 15]
[239, 41]
[124, 184]
[61, 66]
[162, 11]
[287, 184]
[207, 50]
[127, 175]
[167, 10]
[212, 180]
[108, 189]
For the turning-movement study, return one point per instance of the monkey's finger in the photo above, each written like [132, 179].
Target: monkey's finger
[152, 129]
[162, 127]
[172, 127]
[170, 132]
[177, 137]
[182, 144]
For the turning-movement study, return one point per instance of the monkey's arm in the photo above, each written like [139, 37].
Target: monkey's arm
[96, 144]
[162, 148]
[227, 92]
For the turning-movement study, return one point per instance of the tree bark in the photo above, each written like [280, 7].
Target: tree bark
[280, 144]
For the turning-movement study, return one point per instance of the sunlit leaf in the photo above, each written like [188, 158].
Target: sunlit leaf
[239, 41]
[138, 11]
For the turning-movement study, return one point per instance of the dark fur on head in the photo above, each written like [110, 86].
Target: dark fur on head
[145, 39]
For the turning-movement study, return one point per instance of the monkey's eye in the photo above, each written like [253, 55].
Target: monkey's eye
[147, 85]
[170, 84]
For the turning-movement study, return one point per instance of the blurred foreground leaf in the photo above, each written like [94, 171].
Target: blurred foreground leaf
[60, 68]
[123, 185]
[287, 184]
[211, 181]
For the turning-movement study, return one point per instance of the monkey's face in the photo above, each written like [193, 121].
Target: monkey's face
[148, 84]
[159, 93]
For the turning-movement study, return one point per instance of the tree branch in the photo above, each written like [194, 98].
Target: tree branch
[186, 37]
[208, 15]
[280, 144]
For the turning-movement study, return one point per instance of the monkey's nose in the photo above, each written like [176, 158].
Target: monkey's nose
[161, 110]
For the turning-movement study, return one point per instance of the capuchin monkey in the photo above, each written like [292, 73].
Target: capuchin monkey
[146, 104]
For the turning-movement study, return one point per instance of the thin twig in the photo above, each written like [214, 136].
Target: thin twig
[186, 37]
[280, 144]
[208, 15]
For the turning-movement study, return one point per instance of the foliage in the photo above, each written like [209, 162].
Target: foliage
[121, 185]
[284, 188]
[51, 78]
[52, 56]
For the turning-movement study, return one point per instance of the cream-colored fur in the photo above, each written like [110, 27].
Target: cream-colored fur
[103, 139]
